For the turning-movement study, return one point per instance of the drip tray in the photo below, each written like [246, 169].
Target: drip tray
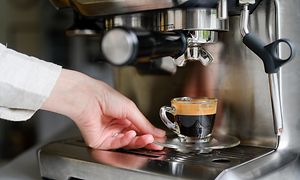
[71, 159]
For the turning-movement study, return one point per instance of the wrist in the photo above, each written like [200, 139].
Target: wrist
[69, 91]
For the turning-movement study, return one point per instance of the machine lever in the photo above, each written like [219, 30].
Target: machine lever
[268, 53]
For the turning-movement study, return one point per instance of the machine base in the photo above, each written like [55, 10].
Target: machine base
[71, 159]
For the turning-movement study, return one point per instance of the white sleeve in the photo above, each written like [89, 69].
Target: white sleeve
[25, 83]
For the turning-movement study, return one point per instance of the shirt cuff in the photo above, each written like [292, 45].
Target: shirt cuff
[25, 83]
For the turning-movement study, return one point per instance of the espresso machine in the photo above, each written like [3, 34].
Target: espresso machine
[247, 53]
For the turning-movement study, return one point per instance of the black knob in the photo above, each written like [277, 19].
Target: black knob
[123, 46]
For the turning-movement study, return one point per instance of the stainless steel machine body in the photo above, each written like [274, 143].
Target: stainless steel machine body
[243, 88]
[72, 159]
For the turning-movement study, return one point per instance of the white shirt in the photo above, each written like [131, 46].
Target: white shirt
[25, 83]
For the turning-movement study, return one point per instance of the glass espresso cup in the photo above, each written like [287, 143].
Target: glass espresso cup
[193, 118]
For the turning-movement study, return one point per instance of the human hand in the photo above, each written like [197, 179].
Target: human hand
[106, 119]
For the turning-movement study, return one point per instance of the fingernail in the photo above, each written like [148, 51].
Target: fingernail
[160, 132]
[149, 138]
[132, 133]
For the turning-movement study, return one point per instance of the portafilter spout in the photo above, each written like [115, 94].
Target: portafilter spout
[195, 50]
[272, 63]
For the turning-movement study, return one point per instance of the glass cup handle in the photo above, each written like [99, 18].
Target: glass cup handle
[163, 116]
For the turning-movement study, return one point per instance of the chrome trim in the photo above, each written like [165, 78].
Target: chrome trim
[276, 103]
[222, 10]
[190, 19]
[244, 20]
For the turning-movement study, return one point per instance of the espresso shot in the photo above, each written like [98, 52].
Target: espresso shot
[195, 117]
[198, 126]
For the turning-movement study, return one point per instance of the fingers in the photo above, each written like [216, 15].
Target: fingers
[154, 147]
[138, 119]
[140, 141]
[98, 136]
[129, 140]
[115, 142]
[120, 122]
[144, 141]
[115, 105]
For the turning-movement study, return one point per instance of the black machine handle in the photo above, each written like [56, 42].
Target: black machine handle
[268, 53]
[125, 46]
[160, 44]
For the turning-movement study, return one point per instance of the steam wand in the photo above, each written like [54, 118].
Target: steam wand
[272, 63]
